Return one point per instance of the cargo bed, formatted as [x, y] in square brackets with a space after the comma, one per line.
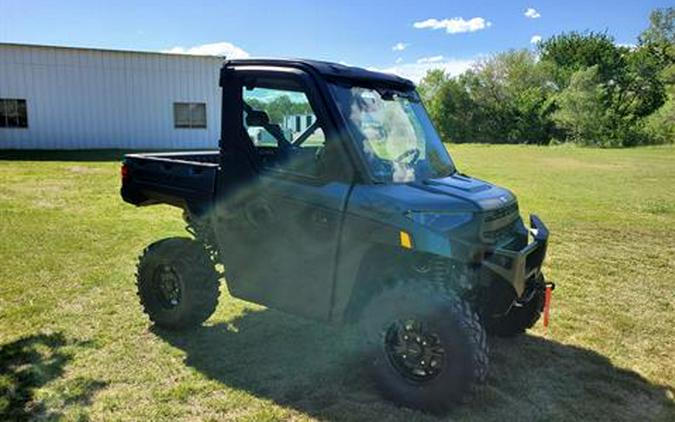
[177, 178]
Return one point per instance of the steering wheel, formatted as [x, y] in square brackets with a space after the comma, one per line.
[414, 154]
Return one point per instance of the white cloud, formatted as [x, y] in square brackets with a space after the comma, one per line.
[417, 70]
[630, 46]
[400, 46]
[226, 49]
[532, 13]
[433, 59]
[454, 25]
[536, 39]
[399, 60]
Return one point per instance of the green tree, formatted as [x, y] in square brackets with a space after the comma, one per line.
[661, 30]
[573, 51]
[449, 106]
[660, 126]
[280, 107]
[581, 108]
[629, 82]
[583, 115]
[641, 91]
[658, 43]
[503, 99]
[511, 92]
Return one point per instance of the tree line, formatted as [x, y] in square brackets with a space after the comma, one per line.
[280, 107]
[576, 87]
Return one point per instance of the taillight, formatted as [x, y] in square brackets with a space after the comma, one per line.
[124, 172]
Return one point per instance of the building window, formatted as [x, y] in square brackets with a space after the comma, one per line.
[189, 115]
[13, 113]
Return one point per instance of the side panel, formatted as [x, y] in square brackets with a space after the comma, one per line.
[280, 242]
[368, 225]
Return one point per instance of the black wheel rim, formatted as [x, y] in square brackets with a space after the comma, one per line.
[414, 350]
[166, 284]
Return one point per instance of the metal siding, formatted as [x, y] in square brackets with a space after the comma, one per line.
[82, 99]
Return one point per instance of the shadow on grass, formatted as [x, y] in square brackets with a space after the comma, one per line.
[31, 362]
[314, 369]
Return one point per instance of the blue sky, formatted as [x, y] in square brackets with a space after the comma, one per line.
[406, 37]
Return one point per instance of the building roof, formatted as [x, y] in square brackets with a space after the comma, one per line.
[108, 50]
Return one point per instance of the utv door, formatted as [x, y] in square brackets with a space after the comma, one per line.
[279, 228]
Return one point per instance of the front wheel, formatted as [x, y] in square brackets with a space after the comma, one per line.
[427, 346]
[177, 283]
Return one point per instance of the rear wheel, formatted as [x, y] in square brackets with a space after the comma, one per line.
[427, 347]
[177, 283]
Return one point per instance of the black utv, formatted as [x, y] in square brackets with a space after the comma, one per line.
[331, 196]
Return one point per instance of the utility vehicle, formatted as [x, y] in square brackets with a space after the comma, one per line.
[331, 196]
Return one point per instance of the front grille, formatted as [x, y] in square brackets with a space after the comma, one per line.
[501, 212]
[500, 226]
[501, 234]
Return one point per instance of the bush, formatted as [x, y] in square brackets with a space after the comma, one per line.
[660, 126]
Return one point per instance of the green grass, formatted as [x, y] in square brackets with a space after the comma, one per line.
[75, 345]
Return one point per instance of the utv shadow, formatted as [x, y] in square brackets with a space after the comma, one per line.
[314, 369]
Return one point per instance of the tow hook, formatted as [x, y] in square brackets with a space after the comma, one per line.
[547, 302]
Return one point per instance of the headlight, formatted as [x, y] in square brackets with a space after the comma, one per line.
[440, 221]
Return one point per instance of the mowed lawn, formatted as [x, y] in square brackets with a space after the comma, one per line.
[74, 343]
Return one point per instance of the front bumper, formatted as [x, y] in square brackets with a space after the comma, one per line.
[516, 267]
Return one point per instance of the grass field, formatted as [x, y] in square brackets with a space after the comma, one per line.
[75, 345]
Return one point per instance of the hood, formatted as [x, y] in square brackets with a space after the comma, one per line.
[483, 195]
[453, 193]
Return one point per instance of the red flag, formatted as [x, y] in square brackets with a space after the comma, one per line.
[547, 305]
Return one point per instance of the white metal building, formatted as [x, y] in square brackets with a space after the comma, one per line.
[80, 98]
[298, 123]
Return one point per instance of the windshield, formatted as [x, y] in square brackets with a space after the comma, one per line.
[394, 132]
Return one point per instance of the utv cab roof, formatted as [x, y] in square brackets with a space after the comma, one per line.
[330, 71]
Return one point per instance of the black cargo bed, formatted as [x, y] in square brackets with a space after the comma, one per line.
[177, 178]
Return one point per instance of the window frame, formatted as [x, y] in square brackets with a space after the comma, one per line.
[297, 77]
[21, 107]
[191, 120]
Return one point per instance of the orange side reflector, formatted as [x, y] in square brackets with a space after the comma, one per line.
[406, 241]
